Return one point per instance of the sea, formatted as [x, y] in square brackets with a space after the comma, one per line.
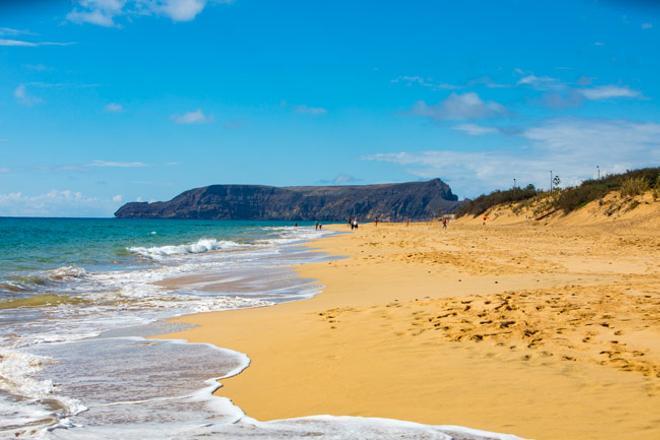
[82, 302]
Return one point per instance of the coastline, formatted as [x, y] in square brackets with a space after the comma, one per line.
[375, 342]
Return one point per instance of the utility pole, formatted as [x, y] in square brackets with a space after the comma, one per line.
[550, 180]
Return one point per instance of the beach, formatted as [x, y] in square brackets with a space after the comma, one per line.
[542, 331]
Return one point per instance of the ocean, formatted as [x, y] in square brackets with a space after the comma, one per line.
[79, 299]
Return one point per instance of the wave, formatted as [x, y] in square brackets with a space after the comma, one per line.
[66, 273]
[27, 283]
[42, 406]
[201, 246]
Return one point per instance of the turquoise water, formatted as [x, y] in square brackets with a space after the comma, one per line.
[31, 244]
[78, 296]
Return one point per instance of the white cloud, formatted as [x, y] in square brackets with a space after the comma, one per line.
[193, 117]
[114, 107]
[314, 111]
[646, 26]
[14, 32]
[182, 10]
[608, 92]
[540, 82]
[609, 139]
[106, 12]
[54, 203]
[4, 170]
[23, 43]
[459, 107]
[118, 198]
[111, 164]
[475, 130]
[24, 98]
[571, 148]
[98, 12]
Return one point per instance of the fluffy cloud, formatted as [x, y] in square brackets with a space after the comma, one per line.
[54, 203]
[571, 148]
[106, 12]
[307, 110]
[113, 107]
[460, 107]
[118, 198]
[181, 10]
[193, 117]
[609, 92]
[24, 98]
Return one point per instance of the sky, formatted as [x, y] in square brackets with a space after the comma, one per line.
[108, 101]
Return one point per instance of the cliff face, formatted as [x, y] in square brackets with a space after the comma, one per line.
[400, 201]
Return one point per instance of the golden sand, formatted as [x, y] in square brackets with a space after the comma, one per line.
[546, 332]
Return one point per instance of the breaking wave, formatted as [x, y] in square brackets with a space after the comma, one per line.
[200, 246]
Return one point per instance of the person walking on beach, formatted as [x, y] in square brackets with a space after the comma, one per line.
[444, 222]
[316, 226]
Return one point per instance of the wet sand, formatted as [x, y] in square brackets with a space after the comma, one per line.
[541, 331]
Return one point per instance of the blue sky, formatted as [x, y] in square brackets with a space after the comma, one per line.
[108, 101]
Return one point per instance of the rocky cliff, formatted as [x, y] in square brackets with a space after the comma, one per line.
[395, 202]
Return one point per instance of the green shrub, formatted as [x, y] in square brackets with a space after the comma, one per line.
[629, 183]
[573, 198]
[634, 186]
[485, 201]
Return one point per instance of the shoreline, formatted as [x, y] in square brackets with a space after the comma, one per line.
[378, 308]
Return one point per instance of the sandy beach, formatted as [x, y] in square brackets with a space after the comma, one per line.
[543, 331]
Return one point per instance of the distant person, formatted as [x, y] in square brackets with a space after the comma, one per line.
[354, 224]
[376, 221]
[485, 219]
[295, 225]
[316, 226]
[444, 223]
[320, 226]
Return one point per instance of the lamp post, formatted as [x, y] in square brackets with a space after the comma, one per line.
[514, 183]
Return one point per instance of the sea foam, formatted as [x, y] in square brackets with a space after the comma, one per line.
[201, 246]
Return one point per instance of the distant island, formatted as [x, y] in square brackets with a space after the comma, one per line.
[388, 202]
